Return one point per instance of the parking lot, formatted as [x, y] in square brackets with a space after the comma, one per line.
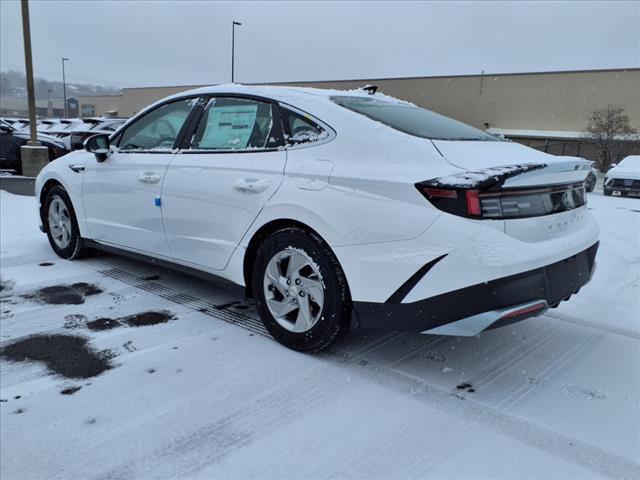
[148, 373]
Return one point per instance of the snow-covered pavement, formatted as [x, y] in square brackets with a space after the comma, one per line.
[197, 390]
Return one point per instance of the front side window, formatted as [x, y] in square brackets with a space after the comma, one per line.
[411, 119]
[235, 124]
[158, 129]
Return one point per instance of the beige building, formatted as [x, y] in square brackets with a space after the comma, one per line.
[546, 110]
[18, 107]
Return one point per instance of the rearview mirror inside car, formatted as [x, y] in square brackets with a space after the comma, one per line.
[98, 145]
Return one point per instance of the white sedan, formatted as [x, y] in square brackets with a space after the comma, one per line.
[624, 178]
[331, 207]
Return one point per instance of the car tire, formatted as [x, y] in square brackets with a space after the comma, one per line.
[607, 192]
[61, 225]
[297, 275]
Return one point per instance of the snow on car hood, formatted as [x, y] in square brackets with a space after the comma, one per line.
[624, 170]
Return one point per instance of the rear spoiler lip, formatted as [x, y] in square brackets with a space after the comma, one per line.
[491, 178]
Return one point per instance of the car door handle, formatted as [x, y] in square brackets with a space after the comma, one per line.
[149, 177]
[252, 186]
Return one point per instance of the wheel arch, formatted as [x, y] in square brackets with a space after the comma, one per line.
[48, 185]
[261, 235]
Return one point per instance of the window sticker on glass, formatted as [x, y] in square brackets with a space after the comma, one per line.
[229, 127]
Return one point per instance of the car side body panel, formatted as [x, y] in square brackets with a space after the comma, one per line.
[357, 191]
[209, 201]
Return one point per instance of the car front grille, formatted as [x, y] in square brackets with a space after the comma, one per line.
[624, 183]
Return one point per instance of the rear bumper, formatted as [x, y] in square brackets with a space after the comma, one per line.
[491, 304]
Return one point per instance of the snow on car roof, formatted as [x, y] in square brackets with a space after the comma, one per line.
[283, 92]
[301, 97]
[315, 101]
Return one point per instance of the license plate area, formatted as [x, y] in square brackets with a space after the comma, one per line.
[567, 276]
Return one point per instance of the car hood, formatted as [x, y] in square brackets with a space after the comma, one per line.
[623, 171]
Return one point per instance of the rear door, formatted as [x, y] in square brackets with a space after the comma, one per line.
[215, 187]
[122, 194]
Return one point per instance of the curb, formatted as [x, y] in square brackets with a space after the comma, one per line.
[18, 185]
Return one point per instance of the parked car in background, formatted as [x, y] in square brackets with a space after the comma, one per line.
[56, 125]
[12, 139]
[60, 127]
[328, 204]
[623, 179]
[75, 135]
[17, 123]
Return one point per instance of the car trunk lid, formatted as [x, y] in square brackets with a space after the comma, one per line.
[482, 157]
[529, 195]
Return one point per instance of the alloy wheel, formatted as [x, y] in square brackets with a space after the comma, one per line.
[294, 290]
[59, 222]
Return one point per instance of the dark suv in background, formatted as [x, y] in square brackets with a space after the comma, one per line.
[11, 139]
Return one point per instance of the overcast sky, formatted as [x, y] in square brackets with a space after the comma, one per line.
[148, 43]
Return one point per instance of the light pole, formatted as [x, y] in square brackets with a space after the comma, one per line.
[33, 156]
[64, 87]
[233, 46]
[28, 64]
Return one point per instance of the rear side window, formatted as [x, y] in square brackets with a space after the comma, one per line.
[235, 124]
[412, 119]
[299, 129]
[157, 129]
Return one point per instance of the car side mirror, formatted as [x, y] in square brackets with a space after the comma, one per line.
[98, 145]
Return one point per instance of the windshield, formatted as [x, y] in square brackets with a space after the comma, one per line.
[632, 161]
[413, 120]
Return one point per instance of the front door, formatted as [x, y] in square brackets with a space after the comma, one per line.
[215, 188]
[122, 201]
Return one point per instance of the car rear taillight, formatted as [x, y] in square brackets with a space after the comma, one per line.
[465, 203]
[473, 202]
[499, 204]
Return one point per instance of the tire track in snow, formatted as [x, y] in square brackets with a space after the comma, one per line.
[448, 439]
[211, 443]
[512, 398]
[525, 431]
[597, 326]
[400, 444]
[517, 428]
[513, 357]
[549, 370]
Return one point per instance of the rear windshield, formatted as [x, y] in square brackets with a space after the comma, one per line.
[413, 120]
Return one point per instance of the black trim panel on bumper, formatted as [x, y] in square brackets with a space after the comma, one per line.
[553, 283]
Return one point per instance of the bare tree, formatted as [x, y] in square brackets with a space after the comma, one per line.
[610, 131]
